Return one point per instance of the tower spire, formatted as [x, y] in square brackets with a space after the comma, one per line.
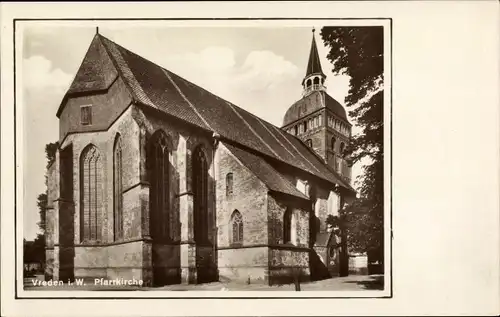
[314, 78]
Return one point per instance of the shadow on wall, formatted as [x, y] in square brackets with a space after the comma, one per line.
[67, 216]
[375, 282]
[319, 271]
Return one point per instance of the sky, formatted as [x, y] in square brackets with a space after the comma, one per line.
[257, 68]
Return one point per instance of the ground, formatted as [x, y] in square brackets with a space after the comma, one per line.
[348, 283]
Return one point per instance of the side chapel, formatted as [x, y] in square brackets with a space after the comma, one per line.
[158, 179]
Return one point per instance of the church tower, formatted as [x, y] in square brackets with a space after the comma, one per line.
[319, 120]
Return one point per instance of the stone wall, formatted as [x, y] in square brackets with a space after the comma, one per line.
[195, 263]
[287, 261]
[109, 261]
[87, 259]
[249, 197]
[238, 262]
[104, 141]
[106, 108]
[239, 265]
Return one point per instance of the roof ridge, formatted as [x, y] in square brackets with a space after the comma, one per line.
[106, 42]
[60, 108]
[198, 86]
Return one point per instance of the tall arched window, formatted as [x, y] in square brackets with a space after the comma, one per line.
[305, 126]
[308, 83]
[316, 80]
[296, 129]
[333, 143]
[236, 228]
[91, 195]
[117, 190]
[229, 184]
[159, 175]
[200, 191]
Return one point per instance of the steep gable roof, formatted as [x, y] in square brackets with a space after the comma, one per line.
[155, 87]
[96, 72]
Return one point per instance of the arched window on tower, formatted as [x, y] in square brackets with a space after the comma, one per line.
[229, 184]
[308, 83]
[316, 80]
[91, 195]
[161, 224]
[333, 143]
[236, 233]
[200, 191]
[117, 190]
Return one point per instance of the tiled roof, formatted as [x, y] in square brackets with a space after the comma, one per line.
[274, 180]
[156, 87]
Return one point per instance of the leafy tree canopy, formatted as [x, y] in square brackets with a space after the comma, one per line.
[358, 53]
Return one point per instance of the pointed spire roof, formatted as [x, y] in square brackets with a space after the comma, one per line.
[314, 64]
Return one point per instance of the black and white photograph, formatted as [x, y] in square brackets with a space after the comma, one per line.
[262, 158]
[205, 157]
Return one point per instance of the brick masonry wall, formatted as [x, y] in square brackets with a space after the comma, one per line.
[91, 264]
[239, 265]
[286, 265]
[285, 260]
[182, 140]
[317, 137]
[249, 197]
[106, 107]
[111, 261]
[128, 130]
[51, 222]
[52, 188]
[321, 211]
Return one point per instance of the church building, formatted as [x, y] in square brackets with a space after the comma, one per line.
[157, 179]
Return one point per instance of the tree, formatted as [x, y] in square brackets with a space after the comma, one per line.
[50, 154]
[42, 207]
[34, 251]
[358, 53]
